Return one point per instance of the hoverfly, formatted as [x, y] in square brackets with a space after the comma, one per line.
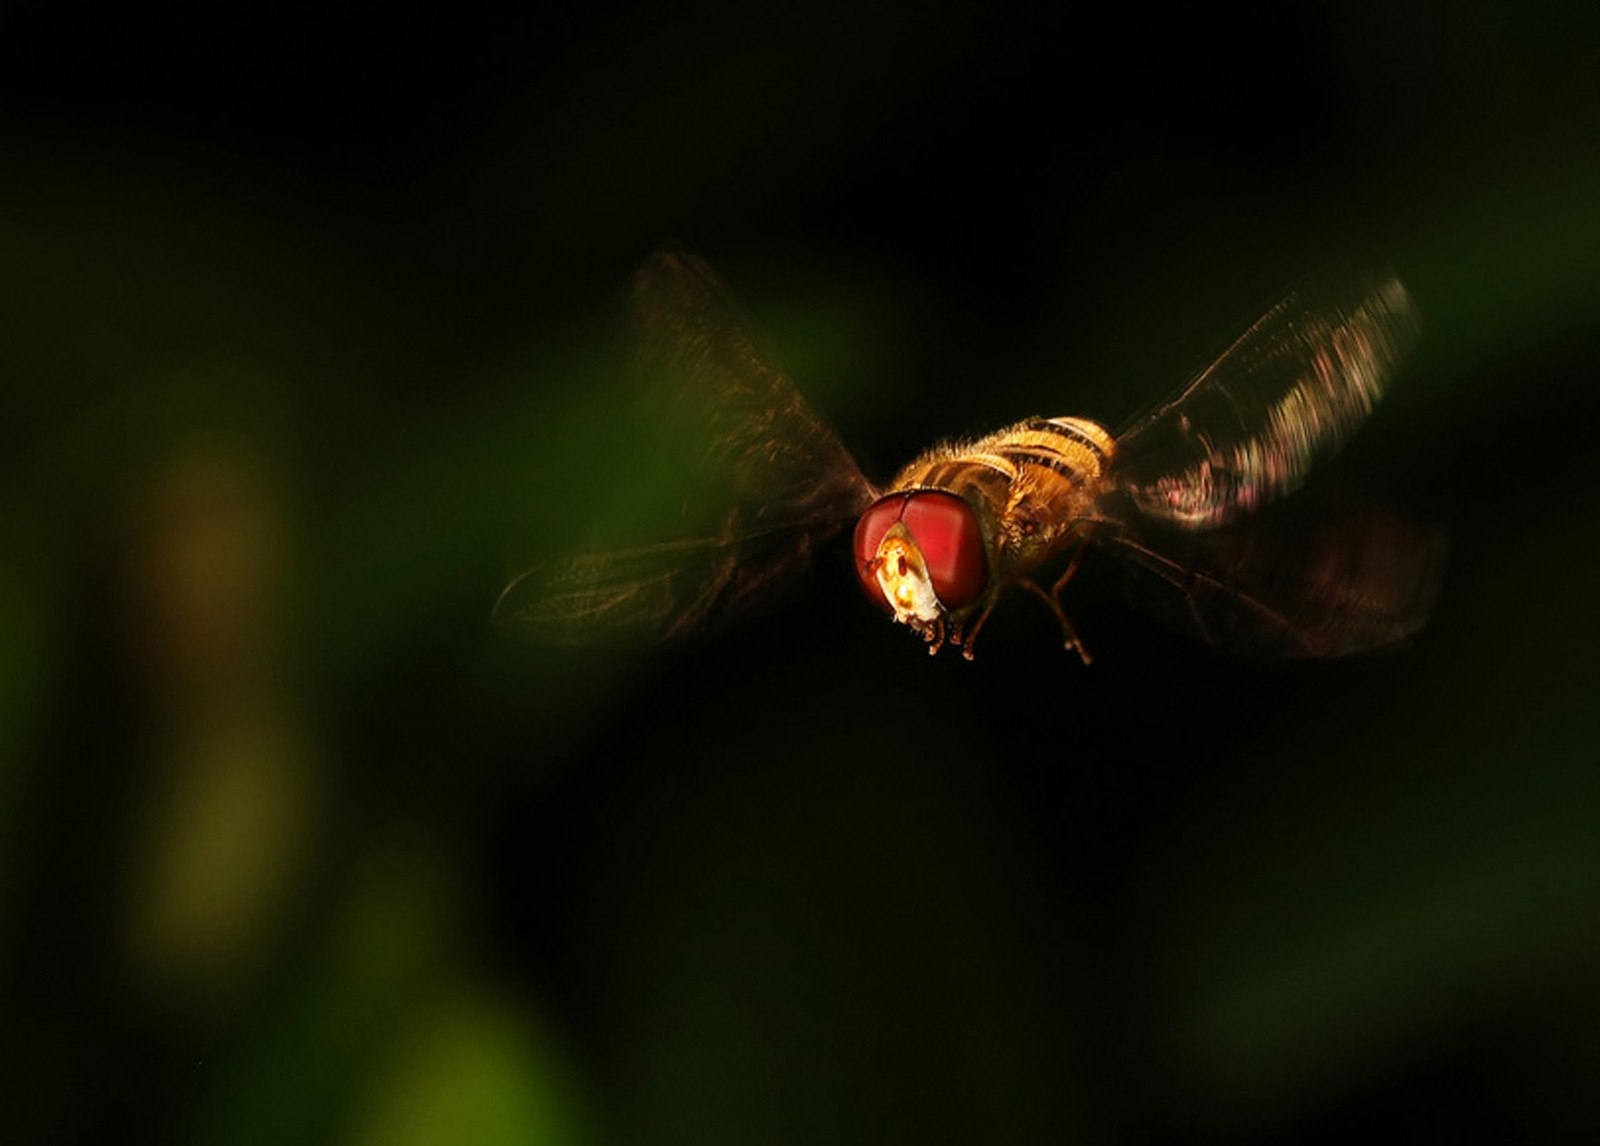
[1179, 494]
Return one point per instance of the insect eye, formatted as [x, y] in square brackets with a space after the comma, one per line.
[947, 532]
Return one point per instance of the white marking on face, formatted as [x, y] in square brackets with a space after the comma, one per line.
[903, 576]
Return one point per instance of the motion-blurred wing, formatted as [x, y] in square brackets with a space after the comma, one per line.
[1289, 392]
[1322, 583]
[652, 592]
[781, 463]
[766, 480]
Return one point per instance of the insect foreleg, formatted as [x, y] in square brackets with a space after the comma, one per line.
[972, 636]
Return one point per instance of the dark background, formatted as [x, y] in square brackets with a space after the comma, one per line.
[305, 340]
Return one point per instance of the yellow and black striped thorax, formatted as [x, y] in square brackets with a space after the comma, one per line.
[1062, 456]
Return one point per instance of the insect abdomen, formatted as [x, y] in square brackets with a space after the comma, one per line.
[1052, 456]
[1074, 449]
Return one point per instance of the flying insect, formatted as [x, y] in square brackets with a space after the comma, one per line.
[1184, 494]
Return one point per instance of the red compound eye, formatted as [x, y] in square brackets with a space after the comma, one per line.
[945, 530]
[874, 523]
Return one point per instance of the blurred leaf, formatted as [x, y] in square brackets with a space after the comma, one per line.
[470, 1071]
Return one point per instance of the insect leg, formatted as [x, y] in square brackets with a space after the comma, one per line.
[971, 637]
[1072, 567]
[1061, 616]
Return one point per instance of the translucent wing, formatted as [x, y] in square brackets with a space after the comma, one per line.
[772, 479]
[781, 462]
[653, 592]
[1322, 581]
[1289, 392]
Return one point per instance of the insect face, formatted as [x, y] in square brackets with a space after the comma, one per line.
[921, 552]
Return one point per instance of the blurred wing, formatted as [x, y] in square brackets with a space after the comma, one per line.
[652, 592]
[780, 463]
[1324, 584]
[1289, 392]
[764, 468]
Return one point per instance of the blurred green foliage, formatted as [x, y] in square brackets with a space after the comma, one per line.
[309, 341]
